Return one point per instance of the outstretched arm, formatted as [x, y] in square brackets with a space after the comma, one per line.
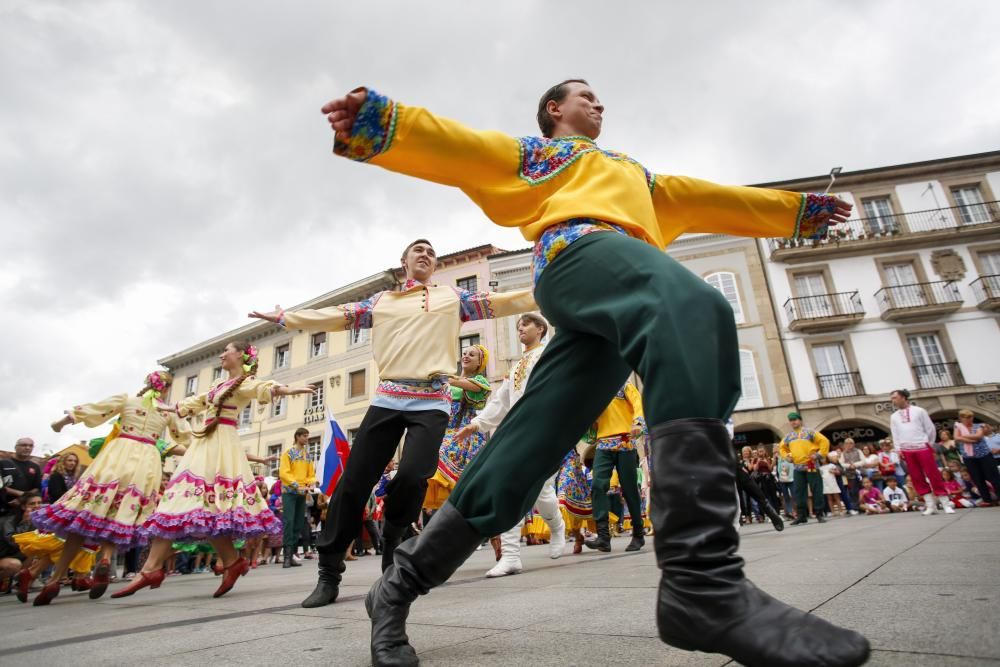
[370, 127]
[335, 318]
[695, 205]
[490, 305]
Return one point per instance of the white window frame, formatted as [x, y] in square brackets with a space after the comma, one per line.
[473, 278]
[279, 406]
[970, 199]
[315, 353]
[216, 374]
[750, 393]
[273, 466]
[358, 337]
[280, 363]
[191, 385]
[723, 280]
[318, 399]
[245, 419]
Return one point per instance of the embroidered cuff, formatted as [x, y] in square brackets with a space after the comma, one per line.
[373, 130]
[814, 214]
[640, 424]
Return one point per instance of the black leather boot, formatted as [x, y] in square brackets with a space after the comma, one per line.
[773, 515]
[705, 603]
[290, 560]
[420, 564]
[331, 570]
[638, 538]
[603, 540]
[392, 534]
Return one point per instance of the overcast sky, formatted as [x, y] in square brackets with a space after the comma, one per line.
[164, 166]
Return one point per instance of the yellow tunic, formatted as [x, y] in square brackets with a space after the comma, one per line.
[803, 445]
[533, 183]
[212, 492]
[120, 489]
[414, 331]
[623, 413]
[296, 471]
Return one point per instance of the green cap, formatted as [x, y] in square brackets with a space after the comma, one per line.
[794, 415]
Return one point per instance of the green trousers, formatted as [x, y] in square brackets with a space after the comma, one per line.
[617, 305]
[293, 518]
[626, 463]
[802, 483]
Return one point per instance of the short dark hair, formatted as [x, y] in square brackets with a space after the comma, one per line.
[26, 498]
[407, 249]
[556, 93]
[537, 320]
[301, 431]
[905, 393]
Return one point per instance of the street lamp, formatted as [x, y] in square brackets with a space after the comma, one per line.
[834, 173]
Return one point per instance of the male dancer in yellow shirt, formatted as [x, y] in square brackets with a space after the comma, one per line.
[298, 475]
[617, 428]
[600, 222]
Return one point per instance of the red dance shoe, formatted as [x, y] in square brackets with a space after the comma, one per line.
[24, 580]
[151, 579]
[81, 584]
[232, 573]
[102, 577]
[217, 567]
[48, 594]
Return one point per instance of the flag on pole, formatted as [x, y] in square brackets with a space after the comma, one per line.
[333, 456]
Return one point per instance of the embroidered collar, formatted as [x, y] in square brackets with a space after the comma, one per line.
[414, 284]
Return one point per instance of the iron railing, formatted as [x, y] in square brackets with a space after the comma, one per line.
[901, 224]
[918, 295]
[840, 385]
[936, 376]
[986, 288]
[821, 306]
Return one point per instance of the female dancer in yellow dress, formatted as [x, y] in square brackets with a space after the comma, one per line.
[213, 495]
[117, 493]
[469, 394]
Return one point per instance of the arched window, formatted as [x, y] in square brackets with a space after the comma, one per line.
[749, 384]
[725, 282]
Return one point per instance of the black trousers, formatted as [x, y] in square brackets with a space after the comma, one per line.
[376, 441]
[982, 470]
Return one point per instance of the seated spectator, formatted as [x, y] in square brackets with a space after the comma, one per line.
[869, 463]
[871, 498]
[916, 503]
[957, 492]
[894, 496]
[946, 449]
[13, 524]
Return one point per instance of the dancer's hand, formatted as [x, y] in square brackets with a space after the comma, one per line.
[841, 213]
[57, 426]
[273, 316]
[466, 432]
[342, 111]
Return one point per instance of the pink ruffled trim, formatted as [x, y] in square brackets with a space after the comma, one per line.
[198, 481]
[65, 522]
[203, 524]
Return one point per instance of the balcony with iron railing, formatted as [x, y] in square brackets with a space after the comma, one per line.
[919, 300]
[938, 376]
[840, 385]
[824, 312]
[987, 292]
[902, 229]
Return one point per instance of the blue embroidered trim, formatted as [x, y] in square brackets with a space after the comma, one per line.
[542, 159]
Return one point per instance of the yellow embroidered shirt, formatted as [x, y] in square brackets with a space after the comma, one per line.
[296, 471]
[534, 183]
[802, 445]
[623, 414]
[414, 330]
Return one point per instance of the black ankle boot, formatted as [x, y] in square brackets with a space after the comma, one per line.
[331, 570]
[603, 540]
[392, 534]
[290, 560]
[638, 538]
[773, 515]
[705, 602]
[420, 564]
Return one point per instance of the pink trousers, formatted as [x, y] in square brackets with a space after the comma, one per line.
[922, 466]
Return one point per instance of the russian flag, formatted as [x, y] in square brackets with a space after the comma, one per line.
[333, 458]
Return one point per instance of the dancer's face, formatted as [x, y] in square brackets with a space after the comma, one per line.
[796, 424]
[472, 358]
[231, 359]
[528, 333]
[579, 114]
[70, 463]
[419, 262]
[898, 400]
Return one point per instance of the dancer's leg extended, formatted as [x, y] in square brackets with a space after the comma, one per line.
[617, 304]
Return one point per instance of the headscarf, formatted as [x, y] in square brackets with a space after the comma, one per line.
[484, 358]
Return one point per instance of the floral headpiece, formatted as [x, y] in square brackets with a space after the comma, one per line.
[157, 385]
[249, 358]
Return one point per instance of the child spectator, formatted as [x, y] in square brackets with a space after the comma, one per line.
[871, 498]
[894, 496]
[956, 491]
[911, 494]
[829, 472]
